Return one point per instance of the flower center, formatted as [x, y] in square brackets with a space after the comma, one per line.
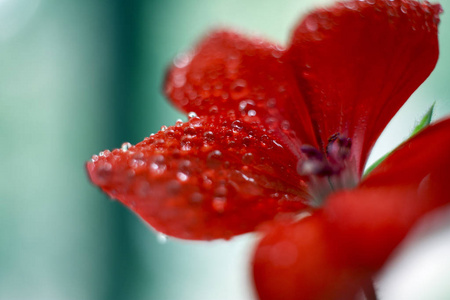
[329, 170]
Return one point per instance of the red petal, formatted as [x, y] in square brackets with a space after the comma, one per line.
[298, 261]
[229, 73]
[205, 179]
[359, 61]
[425, 154]
[371, 222]
[413, 180]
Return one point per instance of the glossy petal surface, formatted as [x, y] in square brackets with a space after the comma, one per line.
[229, 73]
[205, 179]
[373, 219]
[299, 261]
[369, 223]
[359, 61]
[423, 155]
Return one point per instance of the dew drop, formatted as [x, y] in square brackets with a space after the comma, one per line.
[192, 115]
[184, 170]
[237, 125]
[179, 123]
[350, 5]
[218, 204]
[163, 128]
[285, 125]
[161, 238]
[221, 191]
[94, 158]
[247, 158]
[136, 163]
[277, 53]
[182, 176]
[103, 172]
[404, 9]
[158, 164]
[182, 60]
[173, 187]
[190, 130]
[214, 109]
[271, 122]
[209, 136]
[247, 141]
[238, 89]
[196, 198]
[266, 141]
[271, 103]
[246, 105]
[214, 159]
[125, 146]
[251, 113]
[179, 79]
[311, 24]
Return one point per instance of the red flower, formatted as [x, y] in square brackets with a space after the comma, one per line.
[282, 137]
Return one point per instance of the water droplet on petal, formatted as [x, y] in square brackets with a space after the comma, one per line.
[173, 188]
[271, 103]
[311, 24]
[125, 146]
[251, 113]
[404, 9]
[209, 136]
[285, 125]
[161, 238]
[163, 128]
[192, 115]
[247, 158]
[214, 109]
[246, 105]
[157, 165]
[350, 5]
[196, 198]
[218, 204]
[182, 60]
[182, 176]
[238, 89]
[237, 125]
[214, 159]
[179, 79]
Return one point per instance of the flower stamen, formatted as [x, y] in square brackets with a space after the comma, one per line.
[328, 170]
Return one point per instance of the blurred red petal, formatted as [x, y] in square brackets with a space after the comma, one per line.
[423, 155]
[359, 61]
[229, 73]
[369, 223]
[373, 219]
[208, 178]
[299, 261]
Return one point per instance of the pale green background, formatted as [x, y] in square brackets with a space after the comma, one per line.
[77, 77]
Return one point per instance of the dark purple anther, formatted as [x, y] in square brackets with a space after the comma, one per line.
[338, 147]
[312, 152]
[332, 162]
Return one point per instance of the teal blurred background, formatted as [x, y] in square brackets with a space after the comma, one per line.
[78, 77]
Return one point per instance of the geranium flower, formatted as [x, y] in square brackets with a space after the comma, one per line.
[280, 137]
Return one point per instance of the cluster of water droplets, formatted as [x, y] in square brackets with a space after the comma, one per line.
[424, 16]
[170, 164]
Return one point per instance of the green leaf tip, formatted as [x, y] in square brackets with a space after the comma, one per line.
[424, 122]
